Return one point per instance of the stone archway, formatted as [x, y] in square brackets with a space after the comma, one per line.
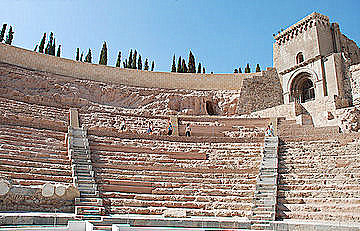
[210, 108]
[302, 88]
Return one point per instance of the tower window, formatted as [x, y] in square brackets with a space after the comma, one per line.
[299, 58]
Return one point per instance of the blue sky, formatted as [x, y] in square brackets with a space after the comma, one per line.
[222, 34]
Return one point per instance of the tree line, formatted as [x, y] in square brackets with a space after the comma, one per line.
[183, 68]
[133, 62]
[247, 69]
[50, 47]
[9, 36]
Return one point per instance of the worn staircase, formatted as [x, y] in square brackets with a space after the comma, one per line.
[264, 209]
[89, 204]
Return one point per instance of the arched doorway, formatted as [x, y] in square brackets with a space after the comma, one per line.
[209, 108]
[302, 89]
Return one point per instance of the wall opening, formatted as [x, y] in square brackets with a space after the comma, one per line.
[302, 89]
[210, 108]
[299, 58]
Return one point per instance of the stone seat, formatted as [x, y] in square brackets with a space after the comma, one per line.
[179, 178]
[33, 157]
[52, 178]
[15, 162]
[43, 171]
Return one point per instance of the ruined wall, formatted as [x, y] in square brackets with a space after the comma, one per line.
[260, 92]
[114, 75]
[354, 76]
[35, 199]
[64, 92]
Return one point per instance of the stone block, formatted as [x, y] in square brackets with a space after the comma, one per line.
[4, 187]
[48, 190]
[175, 213]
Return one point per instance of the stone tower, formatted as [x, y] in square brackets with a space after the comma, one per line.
[311, 57]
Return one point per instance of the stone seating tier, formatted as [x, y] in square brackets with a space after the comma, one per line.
[319, 180]
[32, 156]
[145, 176]
[201, 126]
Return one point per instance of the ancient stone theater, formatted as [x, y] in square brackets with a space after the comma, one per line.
[75, 153]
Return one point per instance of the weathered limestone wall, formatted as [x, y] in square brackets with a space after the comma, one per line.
[355, 83]
[42, 88]
[41, 62]
[36, 199]
[260, 92]
[319, 179]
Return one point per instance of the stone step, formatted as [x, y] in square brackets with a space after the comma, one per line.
[88, 202]
[89, 194]
[88, 210]
[261, 227]
[85, 180]
[82, 167]
[263, 208]
[84, 173]
[87, 190]
[271, 139]
[80, 162]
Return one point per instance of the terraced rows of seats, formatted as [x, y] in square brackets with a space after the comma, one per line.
[201, 126]
[289, 130]
[224, 127]
[141, 176]
[30, 156]
[33, 115]
[32, 146]
[134, 123]
[319, 180]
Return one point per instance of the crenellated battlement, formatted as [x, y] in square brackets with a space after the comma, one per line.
[301, 26]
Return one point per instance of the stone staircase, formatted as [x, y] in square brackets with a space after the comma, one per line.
[89, 206]
[265, 197]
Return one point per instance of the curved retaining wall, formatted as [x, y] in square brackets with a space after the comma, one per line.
[41, 62]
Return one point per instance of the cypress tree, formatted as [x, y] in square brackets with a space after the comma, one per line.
[53, 47]
[125, 63]
[247, 68]
[58, 51]
[146, 65]
[129, 64]
[240, 70]
[36, 47]
[77, 54]
[49, 44]
[103, 55]
[258, 68]
[2, 33]
[133, 66]
[81, 56]
[199, 68]
[184, 67]
[88, 57]
[152, 65]
[173, 67]
[42, 44]
[47, 49]
[10, 36]
[191, 64]
[236, 71]
[203, 70]
[179, 67]
[139, 63]
[118, 61]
